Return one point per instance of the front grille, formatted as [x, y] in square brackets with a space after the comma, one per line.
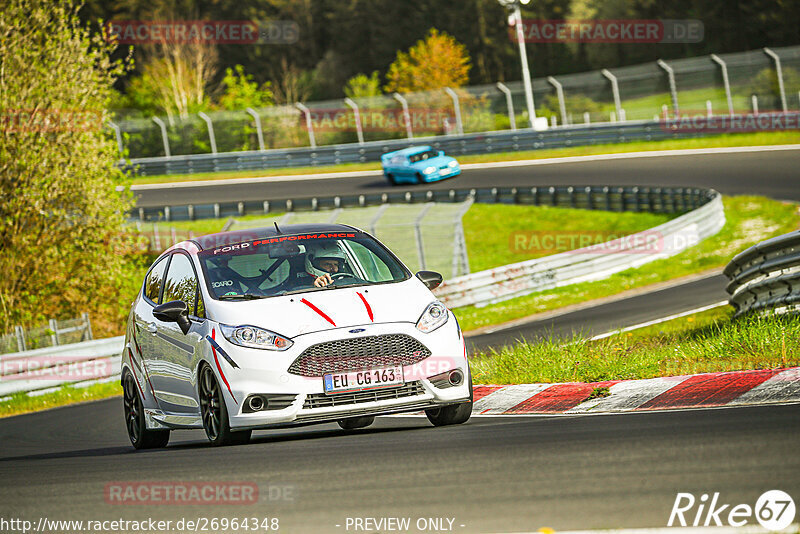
[321, 400]
[366, 352]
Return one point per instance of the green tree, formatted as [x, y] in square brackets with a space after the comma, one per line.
[241, 92]
[62, 238]
[435, 62]
[361, 85]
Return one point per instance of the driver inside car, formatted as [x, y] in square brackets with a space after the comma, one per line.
[324, 260]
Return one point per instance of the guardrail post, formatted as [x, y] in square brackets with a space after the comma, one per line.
[776, 58]
[754, 102]
[88, 332]
[457, 108]
[118, 135]
[509, 104]
[359, 131]
[259, 131]
[725, 81]
[673, 89]
[406, 115]
[20, 333]
[210, 127]
[560, 93]
[163, 135]
[53, 326]
[418, 234]
[309, 126]
[614, 90]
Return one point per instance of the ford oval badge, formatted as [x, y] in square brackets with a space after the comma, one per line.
[356, 330]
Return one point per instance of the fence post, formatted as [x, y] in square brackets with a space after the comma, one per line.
[418, 234]
[673, 89]
[211, 136]
[163, 135]
[614, 89]
[259, 131]
[118, 135]
[309, 125]
[726, 82]
[156, 237]
[53, 325]
[406, 116]
[457, 107]
[20, 333]
[88, 323]
[776, 58]
[359, 131]
[374, 222]
[754, 101]
[509, 104]
[560, 93]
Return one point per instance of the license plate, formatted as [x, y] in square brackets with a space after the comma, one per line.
[444, 171]
[361, 380]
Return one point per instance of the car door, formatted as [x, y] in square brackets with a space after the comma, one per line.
[144, 333]
[176, 355]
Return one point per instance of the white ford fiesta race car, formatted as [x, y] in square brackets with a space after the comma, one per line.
[284, 326]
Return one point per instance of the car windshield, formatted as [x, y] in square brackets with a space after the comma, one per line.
[283, 265]
[422, 156]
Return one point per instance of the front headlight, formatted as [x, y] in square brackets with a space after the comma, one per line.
[452, 164]
[254, 337]
[434, 316]
[429, 170]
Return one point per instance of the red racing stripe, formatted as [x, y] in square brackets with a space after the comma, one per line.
[559, 398]
[711, 389]
[216, 360]
[133, 370]
[320, 312]
[366, 305]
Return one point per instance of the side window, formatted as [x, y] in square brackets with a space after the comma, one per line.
[152, 285]
[201, 308]
[180, 283]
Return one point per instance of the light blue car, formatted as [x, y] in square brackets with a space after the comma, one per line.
[418, 165]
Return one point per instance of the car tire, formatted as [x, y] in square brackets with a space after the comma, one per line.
[455, 414]
[214, 412]
[141, 437]
[420, 179]
[391, 179]
[353, 423]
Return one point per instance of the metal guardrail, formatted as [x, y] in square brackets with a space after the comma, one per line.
[590, 263]
[474, 143]
[49, 367]
[766, 276]
[456, 145]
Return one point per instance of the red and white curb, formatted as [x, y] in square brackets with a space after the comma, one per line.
[708, 390]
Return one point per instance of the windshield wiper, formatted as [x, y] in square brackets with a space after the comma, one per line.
[243, 297]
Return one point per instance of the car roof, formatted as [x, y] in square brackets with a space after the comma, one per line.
[251, 234]
[410, 151]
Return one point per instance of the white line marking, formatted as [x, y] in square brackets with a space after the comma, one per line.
[506, 398]
[467, 166]
[661, 320]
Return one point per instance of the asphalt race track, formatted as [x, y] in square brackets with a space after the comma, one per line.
[499, 474]
[611, 316]
[772, 174]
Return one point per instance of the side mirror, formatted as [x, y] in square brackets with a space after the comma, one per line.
[176, 311]
[431, 279]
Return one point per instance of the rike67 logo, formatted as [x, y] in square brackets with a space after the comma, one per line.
[774, 510]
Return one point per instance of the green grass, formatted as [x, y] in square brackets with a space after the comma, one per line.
[500, 234]
[20, 403]
[725, 140]
[750, 220]
[707, 342]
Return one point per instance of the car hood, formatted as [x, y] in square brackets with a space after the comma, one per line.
[303, 313]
